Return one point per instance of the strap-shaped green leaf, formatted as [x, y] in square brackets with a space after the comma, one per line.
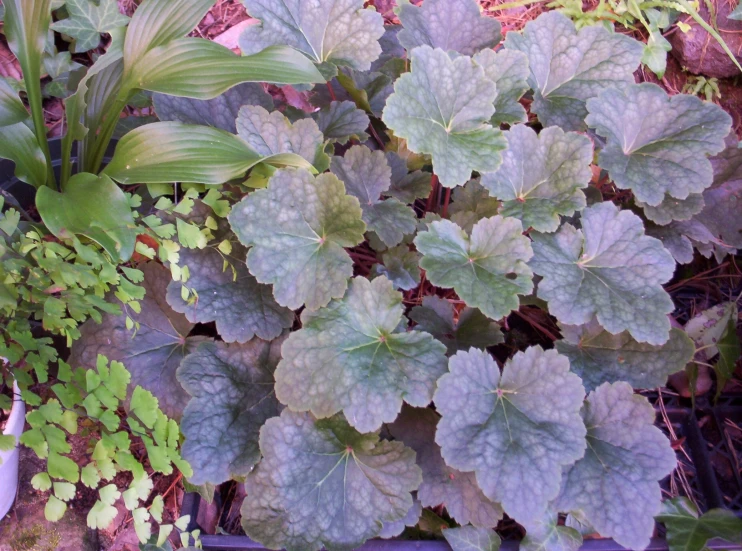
[165, 152]
[201, 69]
[12, 109]
[18, 143]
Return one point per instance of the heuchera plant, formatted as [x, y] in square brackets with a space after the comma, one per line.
[358, 260]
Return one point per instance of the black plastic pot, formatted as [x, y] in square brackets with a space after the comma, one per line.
[704, 486]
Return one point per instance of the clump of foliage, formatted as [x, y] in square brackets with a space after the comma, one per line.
[359, 262]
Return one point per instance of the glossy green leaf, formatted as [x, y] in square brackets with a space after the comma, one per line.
[336, 32]
[348, 357]
[447, 117]
[472, 329]
[367, 176]
[452, 25]
[87, 20]
[93, 206]
[598, 356]
[542, 176]
[18, 143]
[623, 445]
[487, 269]
[198, 68]
[687, 530]
[12, 110]
[241, 307]
[232, 396]
[442, 485]
[609, 268]
[517, 430]
[297, 229]
[657, 144]
[568, 66]
[323, 484]
[166, 152]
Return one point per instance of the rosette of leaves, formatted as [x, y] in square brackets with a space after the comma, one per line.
[352, 357]
[568, 67]
[331, 33]
[623, 444]
[447, 116]
[542, 176]
[323, 484]
[297, 229]
[516, 430]
[487, 269]
[609, 269]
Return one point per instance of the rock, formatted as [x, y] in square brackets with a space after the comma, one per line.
[700, 53]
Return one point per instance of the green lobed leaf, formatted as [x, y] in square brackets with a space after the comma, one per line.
[470, 538]
[348, 357]
[201, 69]
[452, 25]
[508, 69]
[471, 329]
[442, 485]
[598, 356]
[232, 397]
[87, 20]
[657, 144]
[689, 531]
[241, 307]
[401, 266]
[406, 186]
[568, 66]
[517, 430]
[487, 270]
[297, 229]
[341, 121]
[54, 509]
[447, 117]
[609, 268]
[220, 112]
[673, 209]
[615, 486]
[542, 176]
[321, 483]
[270, 134]
[367, 175]
[547, 535]
[93, 206]
[336, 32]
[471, 203]
[153, 354]
[166, 152]
[394, 529]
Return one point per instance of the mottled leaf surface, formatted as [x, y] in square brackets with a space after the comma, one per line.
[366, 175]
[542, 176]
[598, 356]
[321, 483]
[487, 270]
[339, 32]
[220, 112]
[471, 538]
[657, 144]
[394, 529]
[271, 133]
[508, 69]
[348, 357]
[452, 25]
[615, 486]
[673, 209]
[241, 307]
[406, 186]
[471, 329]
[401, 266]
[341, 121]
[297, 229]
[517, 430]
[470, 204]
[232, 397]
[609, 268]
[447, 116]
[153, 354]
[443, 485]
[568, 66]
